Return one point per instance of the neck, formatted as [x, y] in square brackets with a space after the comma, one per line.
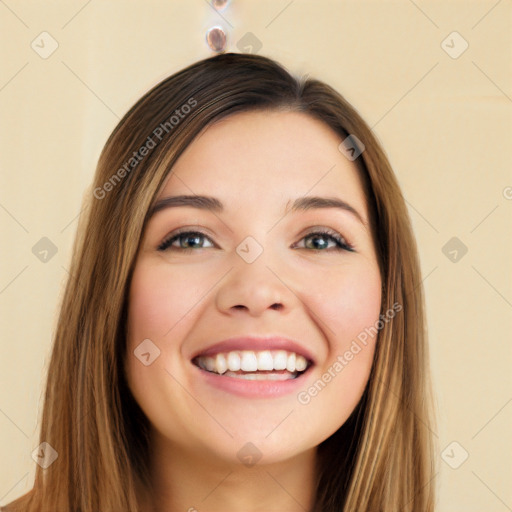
[185, 480]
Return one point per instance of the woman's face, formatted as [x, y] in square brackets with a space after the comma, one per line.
[255, 268]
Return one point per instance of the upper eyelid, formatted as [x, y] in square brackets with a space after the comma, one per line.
[187, 230]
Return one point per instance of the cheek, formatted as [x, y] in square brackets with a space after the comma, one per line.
[348, 302]
[347, 307]
[159, 300]
[160, 309]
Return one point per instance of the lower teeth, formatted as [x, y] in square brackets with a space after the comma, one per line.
[261, 376]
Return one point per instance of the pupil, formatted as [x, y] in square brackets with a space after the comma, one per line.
[315, 241]
[193, 237]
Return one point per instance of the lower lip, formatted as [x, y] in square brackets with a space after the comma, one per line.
[253, 388]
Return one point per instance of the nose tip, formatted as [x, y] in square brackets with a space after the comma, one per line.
[251, 288]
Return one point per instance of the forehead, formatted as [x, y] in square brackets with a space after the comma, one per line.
[268, 156]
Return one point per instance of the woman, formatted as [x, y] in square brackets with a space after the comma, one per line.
[244, 324]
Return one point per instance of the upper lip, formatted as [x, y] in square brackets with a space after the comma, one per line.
[255, 343]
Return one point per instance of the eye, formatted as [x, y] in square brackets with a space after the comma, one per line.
[320, 241]
[187, 240]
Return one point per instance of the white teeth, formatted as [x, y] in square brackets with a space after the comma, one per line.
[260, 376]
[300, 363]
[253, 361]
[290, 362]
[280, 359]
[233, 362]
[209, 363]
[221, 364]
[249, 362]
[265, 361]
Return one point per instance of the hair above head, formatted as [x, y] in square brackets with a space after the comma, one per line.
[381, 459]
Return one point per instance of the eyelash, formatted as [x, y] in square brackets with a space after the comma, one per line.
[341, 243]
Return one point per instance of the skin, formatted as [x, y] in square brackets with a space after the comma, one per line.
[183, 301]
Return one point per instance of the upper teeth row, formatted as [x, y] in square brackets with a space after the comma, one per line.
[251, 361]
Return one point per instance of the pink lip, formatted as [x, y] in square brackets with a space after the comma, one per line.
[255, 343]
[251, 388]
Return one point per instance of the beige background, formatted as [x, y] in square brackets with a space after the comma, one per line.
[445, 123]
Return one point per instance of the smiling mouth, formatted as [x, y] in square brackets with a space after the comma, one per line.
[277, 365]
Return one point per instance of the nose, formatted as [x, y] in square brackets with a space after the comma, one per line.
[254, 288]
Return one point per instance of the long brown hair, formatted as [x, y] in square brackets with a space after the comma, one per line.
[380, 460]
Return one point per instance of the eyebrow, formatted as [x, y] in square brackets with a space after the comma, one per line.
[213, 204]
